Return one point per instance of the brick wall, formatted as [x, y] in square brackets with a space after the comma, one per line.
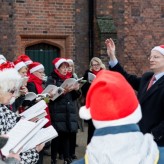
[136, 26]
[139, 26]
[7, 30]
[41, 20]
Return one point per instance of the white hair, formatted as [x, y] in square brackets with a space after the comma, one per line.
[10, 79]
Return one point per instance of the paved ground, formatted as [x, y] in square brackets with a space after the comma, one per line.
[80, 150]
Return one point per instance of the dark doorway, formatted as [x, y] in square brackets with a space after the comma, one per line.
[43, 53]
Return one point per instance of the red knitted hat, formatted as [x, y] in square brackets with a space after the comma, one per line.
[35, 66]
[26, 59]
[159, 49]
[7, 65]
[111, 101]
[58, 61]
[19, 64]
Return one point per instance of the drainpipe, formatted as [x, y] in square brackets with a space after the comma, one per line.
[91, 28]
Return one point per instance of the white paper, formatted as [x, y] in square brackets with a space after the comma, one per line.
[39, 114]
[70, 82]
[43, 136]
[30, 96]
[91, 77]
[30, 112]
[19, 131]
[29, 136]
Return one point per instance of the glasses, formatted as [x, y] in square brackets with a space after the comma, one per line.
[64, 68]
[95, 65]
[12, 91]
[154, 57]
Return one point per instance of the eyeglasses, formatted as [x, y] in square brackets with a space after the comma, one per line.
[95, 65]
[11, 91]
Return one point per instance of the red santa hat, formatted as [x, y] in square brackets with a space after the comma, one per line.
[2, 59]
[19, 64]
[35, 66]
[111, 101]
[160, 49]
[58, 61]
[26, 59]
[10, 78]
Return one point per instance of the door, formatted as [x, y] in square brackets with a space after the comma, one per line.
[43, 53]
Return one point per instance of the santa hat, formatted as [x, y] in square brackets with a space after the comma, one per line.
[58, 61]
[70, 61]
[26, 59]
[2, 59]
[111, 101]
[19, 64]
[10, 78]
[160, 49]
[35, 66]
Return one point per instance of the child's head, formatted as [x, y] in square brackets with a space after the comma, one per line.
[111, 101]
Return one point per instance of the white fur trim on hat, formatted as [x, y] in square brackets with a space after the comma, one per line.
[84, 113]
[131, 119]
[40, 66]
[159, 49]
[57, 64]
[70, 61]
[28, 62]
[2, 61]
[20, 65]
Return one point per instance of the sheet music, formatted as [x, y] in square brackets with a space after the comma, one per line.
[27, 138]
[70, 82]
[91, 77]
[39, 114]
[41, 105]
[19, 131]
[43, 136]
[30, 96]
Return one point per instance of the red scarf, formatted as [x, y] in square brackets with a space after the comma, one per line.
[96, 72]
[63, 77]
[38, 82]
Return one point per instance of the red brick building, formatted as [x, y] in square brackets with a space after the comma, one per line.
[46, 29]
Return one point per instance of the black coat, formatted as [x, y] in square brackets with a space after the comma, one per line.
[86, 85]
[63, 110]
[151, 101]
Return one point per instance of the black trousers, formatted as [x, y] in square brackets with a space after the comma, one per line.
[65, 142]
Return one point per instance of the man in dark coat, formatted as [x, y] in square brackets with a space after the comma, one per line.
[151, 98]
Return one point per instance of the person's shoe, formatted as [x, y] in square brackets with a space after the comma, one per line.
[67, 161]
[73, 156]
[61, 156]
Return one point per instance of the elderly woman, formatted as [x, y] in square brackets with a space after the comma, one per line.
[96, 66]
[10, 81]
[63, 111]
[35, 84]
[22, 70]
